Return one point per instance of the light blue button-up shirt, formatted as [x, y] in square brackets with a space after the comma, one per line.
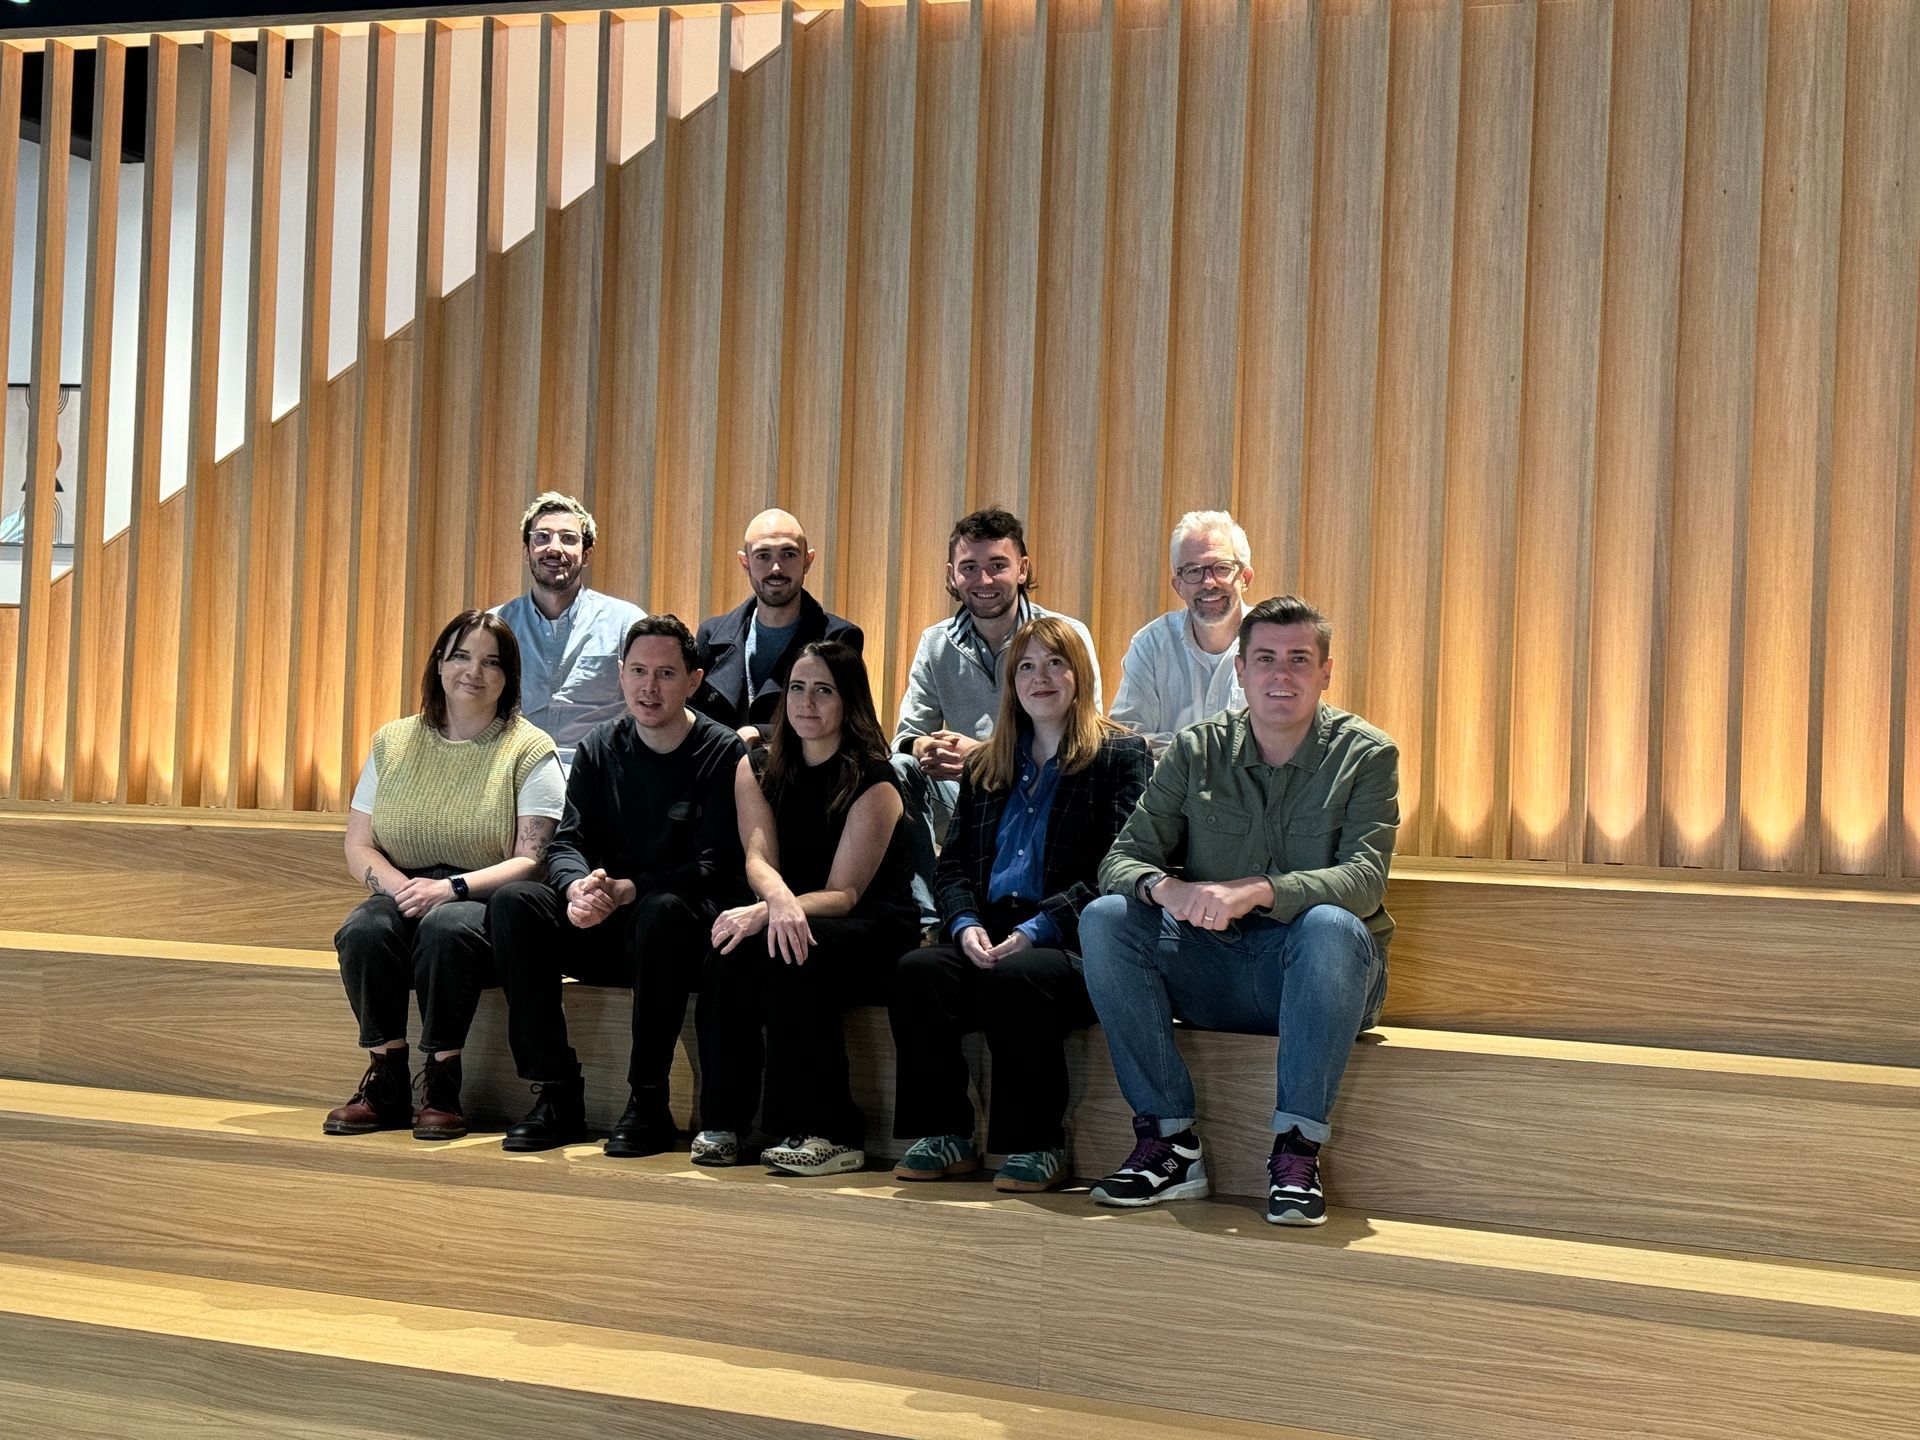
[570, 667]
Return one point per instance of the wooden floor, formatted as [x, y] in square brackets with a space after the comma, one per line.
[1585, 1186]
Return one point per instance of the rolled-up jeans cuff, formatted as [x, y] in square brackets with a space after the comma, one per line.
[1174, 1125]
[1315, 1130]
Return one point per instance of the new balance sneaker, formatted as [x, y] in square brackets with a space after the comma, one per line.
[1160, 1168]
[715, 1147]
[937, 1157]
[1030, 1171]
[1293, 1190]
[812, 1155]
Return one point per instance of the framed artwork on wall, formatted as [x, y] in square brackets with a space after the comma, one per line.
[13, 486]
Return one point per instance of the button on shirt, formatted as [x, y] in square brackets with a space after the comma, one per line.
[1020, 848]
[570, 666]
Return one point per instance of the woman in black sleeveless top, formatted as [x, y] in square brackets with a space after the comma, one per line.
[831, 909]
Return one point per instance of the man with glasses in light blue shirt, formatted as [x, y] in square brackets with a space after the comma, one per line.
[569, 636]
[1179, 667]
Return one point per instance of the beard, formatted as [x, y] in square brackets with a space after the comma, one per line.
[776, 593]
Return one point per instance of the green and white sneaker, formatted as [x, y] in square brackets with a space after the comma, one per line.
[1031, 1171]
[812, 1155]
[937, 1157]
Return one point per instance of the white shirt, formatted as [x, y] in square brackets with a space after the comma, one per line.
[1168, 682]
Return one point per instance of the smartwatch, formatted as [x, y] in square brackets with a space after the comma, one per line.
[459, 883]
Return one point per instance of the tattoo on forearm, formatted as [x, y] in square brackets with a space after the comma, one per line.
[373, 883]
[535, 836]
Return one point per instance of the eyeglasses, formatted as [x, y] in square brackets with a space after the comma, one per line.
[1221, 570]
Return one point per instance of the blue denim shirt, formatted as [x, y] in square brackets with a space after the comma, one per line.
[1020, 847]
[570, 667]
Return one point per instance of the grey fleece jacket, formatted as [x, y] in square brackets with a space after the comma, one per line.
[953, 686]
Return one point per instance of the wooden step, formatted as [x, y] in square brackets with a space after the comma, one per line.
[155, 1354]
[1604, 955]
[1406, 1328]
[1819, 973]
[1685, 1148]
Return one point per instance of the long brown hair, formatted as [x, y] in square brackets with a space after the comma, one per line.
[433, 694]
[862, 741]
[995, 765]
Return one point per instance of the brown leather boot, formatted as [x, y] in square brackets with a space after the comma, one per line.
[384, 1100]
[440, 1117]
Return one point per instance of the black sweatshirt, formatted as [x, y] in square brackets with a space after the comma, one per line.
[665, 822]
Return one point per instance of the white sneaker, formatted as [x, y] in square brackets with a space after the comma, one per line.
[715, 1147]
[812, 1155]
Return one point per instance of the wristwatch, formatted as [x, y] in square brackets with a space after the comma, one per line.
[1144, 889]
[459, 883]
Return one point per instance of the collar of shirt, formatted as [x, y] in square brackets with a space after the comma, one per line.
[1313, 746]
[562, 622]
[963, 633]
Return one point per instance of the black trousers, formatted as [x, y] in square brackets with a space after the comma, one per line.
[1026, 1004]
[443, 955]
[652, 947]
[801, 1066]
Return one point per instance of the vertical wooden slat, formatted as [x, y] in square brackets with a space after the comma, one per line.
[375, 592]
[1872, 439]
[150, 567]
[1344, 333]
[258, 722]
[609, 86]
[1276, 260]
[10, 91]
[490, 563]
[424, 597]
[879, 248]
[1792, 428]
[1069, 358]
[92, 718]
[1209, 200]
[1713, 435]
[753, 302]
[1562, 358]
[200, 760]
[694, 295]
[1410, 444]
[315, 543]
[940, 315]
[1483, 429]
[1646, 155]
[1148, 41]
[624, 499]
[37, 720]
[1006, 290]
[820, 180]
[537, 442]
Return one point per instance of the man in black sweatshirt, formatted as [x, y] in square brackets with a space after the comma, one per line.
[648, 843]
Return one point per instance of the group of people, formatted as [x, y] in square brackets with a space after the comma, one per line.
[594, 793]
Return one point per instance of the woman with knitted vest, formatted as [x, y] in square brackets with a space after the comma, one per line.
[452, 804]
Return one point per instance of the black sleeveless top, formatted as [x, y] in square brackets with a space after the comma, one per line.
[809, 831]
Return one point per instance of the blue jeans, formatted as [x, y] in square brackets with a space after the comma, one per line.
[929, 806]
[1316, 981]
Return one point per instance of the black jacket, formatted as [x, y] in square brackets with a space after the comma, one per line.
[1088, 810]
[722, 642]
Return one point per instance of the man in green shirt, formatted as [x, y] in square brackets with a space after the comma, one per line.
[1245, 894]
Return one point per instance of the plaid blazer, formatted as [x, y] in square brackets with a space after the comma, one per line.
[1088, 810]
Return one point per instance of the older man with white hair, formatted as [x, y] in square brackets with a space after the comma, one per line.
[1179, 666]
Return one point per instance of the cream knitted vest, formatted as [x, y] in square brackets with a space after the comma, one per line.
[442, 802]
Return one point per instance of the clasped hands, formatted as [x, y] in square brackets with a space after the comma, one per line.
[788, 934]
[419, 895]
[943, 754]
[1211, 904]
[595, 896]
[978, 946]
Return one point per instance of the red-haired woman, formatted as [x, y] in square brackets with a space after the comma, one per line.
[1039, 805]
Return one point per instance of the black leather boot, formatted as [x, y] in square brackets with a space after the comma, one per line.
[645, 1128]
[440, 1116]
[558, 1116]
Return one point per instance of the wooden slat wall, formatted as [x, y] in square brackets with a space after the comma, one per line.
[1564, 352]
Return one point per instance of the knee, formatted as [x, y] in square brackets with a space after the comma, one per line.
[1329, 930]
[372, 923]
[515, 899]
[916, 972]
[1103, 925]
[442, 931]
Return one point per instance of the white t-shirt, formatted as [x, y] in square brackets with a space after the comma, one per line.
[543, 794]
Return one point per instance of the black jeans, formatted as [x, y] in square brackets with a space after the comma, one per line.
[652, 947]
[1026, 1004]
[802, 1064]
[444, 955]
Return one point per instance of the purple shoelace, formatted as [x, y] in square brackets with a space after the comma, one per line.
[1294, 1172]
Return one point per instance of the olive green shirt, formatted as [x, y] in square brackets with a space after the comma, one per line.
[1320, 827]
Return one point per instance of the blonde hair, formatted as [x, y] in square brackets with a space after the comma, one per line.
[995, 765]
